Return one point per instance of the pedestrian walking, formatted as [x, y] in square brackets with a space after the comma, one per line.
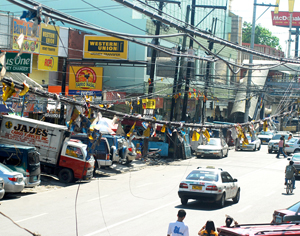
[280, 146]
[208, 229]
[178, 228]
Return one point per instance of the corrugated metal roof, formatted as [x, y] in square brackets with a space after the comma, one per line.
[20, 77]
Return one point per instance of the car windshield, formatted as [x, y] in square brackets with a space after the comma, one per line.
[296, 157]
[203, 175]
[214, 142]
[293, 140]
[294, 207]
[4, 168]
[266, 133]
[277, 136]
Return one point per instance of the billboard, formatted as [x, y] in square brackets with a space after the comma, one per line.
[49, 63]
[103, 47]
[20, 64]
[283, 19]
[31, 43]
[49, 40]
[85, 80]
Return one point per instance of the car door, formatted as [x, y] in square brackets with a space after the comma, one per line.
[224, 147]
[226, 184]
[233, 185]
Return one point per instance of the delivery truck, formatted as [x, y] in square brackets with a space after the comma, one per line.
[58, 155]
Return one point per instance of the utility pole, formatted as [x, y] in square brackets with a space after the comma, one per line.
[154, 52]
[248, 102]
[249, 79]
[63, 92]
[189, 65]
[210, 47]
[174, 85]
[177, 106]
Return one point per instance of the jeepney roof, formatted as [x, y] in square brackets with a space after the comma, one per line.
[38, 122]
[260, 229]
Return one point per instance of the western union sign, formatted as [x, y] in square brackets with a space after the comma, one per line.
[109, 48]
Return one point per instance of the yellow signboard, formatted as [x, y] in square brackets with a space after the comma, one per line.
[31, 42]
[109, 48]
[149, 103]
[49, 40]
[49, 63]
[85, 80]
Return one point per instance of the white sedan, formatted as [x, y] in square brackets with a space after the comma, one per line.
[209, 184]
[292, 145]
[216, 147]
[254, 144]
[265, 136]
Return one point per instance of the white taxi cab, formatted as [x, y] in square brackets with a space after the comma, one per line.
[209, 184]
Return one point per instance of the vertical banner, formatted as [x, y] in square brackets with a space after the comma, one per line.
[49, 40]
[85, 80]
[31, 42]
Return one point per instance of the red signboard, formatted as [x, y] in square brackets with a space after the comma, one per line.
[283, 19]
[115, 97]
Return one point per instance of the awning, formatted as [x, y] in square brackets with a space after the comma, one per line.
[20, 77]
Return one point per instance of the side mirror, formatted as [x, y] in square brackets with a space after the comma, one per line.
[235, 180]
[289, 159]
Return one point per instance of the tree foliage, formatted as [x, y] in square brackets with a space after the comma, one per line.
[263, 36]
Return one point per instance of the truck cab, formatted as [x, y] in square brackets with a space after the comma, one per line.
[73, 160]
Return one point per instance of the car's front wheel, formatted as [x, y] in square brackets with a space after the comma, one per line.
[184, 200]
[237, 197]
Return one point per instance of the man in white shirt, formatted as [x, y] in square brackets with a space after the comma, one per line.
[178, 228]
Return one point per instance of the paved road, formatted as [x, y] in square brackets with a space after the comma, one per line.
[143, 202]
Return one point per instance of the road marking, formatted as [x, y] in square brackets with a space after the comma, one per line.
[245, 208]
[128, 220]
[271, 193]
[31, 217]
[97, 198]
[143, 185]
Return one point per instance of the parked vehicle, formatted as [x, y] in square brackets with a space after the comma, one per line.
[58, 156]
[2, 190]
[265, 136]
[131, 154]
[273, 143]
[254, 144]
[102, 154]
[292, 145]
[23, 159]
[216, 147]
[279, 214]
[13, 180]
[118, 148]
[209, 184]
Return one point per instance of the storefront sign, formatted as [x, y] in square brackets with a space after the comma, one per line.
[85, 80]
[49, 63]
[49, 40]
[283, 19]
[109, 48]
[31, 42]
[149, 103]
[20, 64]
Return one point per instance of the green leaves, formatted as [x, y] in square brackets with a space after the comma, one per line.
[263, 36]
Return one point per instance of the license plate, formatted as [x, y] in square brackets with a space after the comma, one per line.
[197, 187]
[264, 141]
